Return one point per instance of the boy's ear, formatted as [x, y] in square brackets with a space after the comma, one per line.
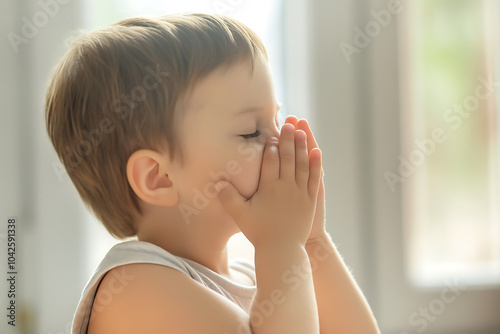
[147, 174]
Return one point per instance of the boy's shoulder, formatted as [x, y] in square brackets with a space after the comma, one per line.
[150, 298]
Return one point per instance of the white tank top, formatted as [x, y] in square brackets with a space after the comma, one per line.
[143, 252]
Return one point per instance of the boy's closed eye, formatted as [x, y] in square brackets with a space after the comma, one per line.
[252, 135]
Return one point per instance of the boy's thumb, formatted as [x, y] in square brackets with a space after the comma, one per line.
[229, 197]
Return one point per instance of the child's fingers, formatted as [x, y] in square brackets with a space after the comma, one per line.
[315, 172]
[291, 120]
[304, 126]
[270, 170]
[301, 159]
[287, 152]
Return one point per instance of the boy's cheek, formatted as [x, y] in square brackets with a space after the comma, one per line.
[250, 151]
[247, 181]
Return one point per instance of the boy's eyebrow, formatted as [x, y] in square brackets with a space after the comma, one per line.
[252, 109]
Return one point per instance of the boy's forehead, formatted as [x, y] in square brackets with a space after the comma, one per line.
[228, 88]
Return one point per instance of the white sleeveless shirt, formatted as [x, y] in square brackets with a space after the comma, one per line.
[143, 252]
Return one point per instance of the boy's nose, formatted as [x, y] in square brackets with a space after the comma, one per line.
[271, 131]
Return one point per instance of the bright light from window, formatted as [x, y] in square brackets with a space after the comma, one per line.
[450, 155]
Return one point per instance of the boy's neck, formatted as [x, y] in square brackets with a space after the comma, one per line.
[203, 242]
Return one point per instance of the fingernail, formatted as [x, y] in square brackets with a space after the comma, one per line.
[301, 135]
[273, 140]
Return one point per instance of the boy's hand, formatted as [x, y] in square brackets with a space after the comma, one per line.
[318, 228]
[282, 209]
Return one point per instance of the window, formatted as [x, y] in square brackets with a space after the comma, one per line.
[371, 106]
[450, 152]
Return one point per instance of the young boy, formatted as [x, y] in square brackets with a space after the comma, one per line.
[168, 129]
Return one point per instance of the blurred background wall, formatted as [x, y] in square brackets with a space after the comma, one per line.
[402, 96]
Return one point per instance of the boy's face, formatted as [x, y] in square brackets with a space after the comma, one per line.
[226, 121]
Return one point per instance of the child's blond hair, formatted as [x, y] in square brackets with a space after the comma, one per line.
[117, 91]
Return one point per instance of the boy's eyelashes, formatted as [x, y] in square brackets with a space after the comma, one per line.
[252, 135]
